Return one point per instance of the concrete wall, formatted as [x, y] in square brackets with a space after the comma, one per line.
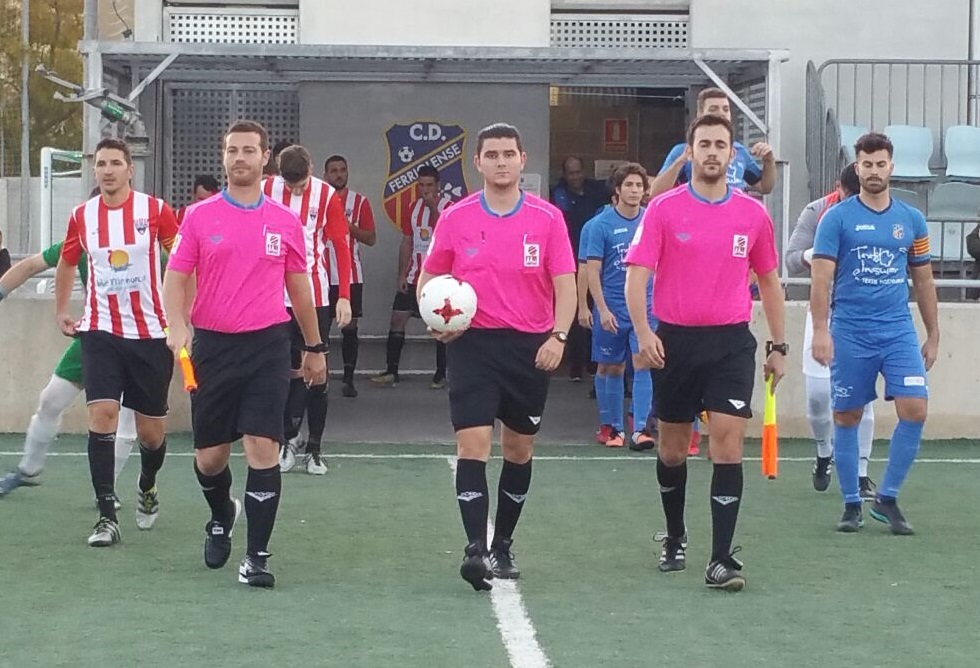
[954, 381]
[426, 22]
[351, 119]
[820, 31]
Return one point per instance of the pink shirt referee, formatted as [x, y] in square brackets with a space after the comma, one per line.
[513, 249]
[244, 250]
[699, 241]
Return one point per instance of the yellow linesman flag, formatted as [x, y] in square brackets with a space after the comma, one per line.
[770, 436]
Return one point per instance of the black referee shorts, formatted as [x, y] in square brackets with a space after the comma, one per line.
[356, 300]
[242, 385]
[705, 368]
[296, 340]
[492, 376]
[407, 301]
[138, 370]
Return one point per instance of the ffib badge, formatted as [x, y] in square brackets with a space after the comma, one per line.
[273, 244]
[532, 255]
[740, 246]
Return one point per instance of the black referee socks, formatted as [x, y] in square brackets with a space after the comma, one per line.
[217, 492]
[726, 497]
[515, 480]
[673, 486]
[316, 416]
[473, 497]
[262, 491]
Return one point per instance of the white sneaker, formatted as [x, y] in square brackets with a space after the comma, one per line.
[147, 508]
[287, 457]
[315, 465]
[105, 533]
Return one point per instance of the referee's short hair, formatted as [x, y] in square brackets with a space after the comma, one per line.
[628, 169]
[249, 126]
[874, 141]
[498, 131]
[295, 163]
[707, 121]
[117, 145]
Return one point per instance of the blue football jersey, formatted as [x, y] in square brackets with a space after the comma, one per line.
[873, 251]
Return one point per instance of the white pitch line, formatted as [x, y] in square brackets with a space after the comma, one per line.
[539, 458]
[516, 629]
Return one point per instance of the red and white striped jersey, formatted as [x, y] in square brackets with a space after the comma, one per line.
[322, 214]
[124, 295]
[419, 226]
[358, 211]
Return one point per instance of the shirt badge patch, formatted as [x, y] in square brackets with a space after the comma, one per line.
[532, 255]
[740, 246]
[273, 244]
[898, 231]
[424, 233]
[141, 225]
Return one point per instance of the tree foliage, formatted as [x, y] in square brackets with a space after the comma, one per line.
[56, 27]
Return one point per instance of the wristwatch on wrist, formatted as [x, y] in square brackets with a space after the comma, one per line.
[561, 336]
[781, 348]
[316, 348]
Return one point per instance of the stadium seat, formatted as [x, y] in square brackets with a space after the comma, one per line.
[909, 197]
[848, 135]
[962, 148]
[958, 206]
[913, 151]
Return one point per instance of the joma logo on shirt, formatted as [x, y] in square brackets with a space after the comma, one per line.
[740, 246]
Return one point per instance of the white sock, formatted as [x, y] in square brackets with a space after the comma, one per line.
[55, 399]
[819, 415]
[125, 437]
[866, 434]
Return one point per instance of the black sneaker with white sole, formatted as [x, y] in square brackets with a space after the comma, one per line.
[217, 540]
[852, 520]
[887, 511]
[672, 554]
[867, 488]
[475, 568]
[254, 571]
[502, 563]
[724, 573]
[822, 473]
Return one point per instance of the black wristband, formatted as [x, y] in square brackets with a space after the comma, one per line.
[316, 348]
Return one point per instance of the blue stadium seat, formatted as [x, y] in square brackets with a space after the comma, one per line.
[848, 135]
[962, 148]
[913, 151]
[954, 210]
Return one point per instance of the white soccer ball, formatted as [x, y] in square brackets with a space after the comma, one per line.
[447, 304]
[405, 154]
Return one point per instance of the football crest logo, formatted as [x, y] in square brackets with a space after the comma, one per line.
[409, 147]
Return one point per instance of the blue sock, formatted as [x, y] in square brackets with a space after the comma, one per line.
[846, 456]
[616, 392]
[602, 400]
[642, 397]
[901, 455]
[697, 425]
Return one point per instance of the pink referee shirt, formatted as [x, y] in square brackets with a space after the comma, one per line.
[701, 253]
[510, 260]
[241, 256]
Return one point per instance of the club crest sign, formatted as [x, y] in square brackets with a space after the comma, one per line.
[412, 145]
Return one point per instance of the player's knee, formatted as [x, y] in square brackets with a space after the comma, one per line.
[150, 432]
[848, 419]
[516, 448]
[611, 369]
[915, 410]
